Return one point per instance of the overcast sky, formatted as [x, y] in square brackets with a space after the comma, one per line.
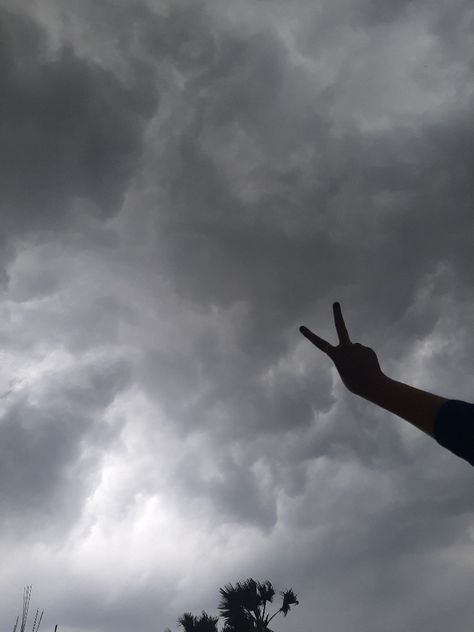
[183, 184]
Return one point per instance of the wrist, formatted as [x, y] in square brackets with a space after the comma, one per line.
[374, 387]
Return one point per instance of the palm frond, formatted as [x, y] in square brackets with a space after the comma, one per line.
[289, 599]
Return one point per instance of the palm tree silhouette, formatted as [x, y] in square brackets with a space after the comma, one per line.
[244, 606]
[204, 623]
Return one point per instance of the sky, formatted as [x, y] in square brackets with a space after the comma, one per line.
[183, 185]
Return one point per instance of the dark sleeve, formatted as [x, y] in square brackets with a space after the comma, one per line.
[454, 428]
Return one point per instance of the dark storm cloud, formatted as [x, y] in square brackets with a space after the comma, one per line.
[236, 493]
[266, 191]
[367, 215]
[71, 130]
[401, 528]
[303, 237]
[399, 199]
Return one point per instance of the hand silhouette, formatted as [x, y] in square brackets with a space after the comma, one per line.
[452, 425]
[357, 365]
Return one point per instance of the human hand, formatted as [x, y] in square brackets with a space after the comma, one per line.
[357, 365]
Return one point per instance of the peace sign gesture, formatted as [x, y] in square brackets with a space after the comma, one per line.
[357, 365]
[359, 368]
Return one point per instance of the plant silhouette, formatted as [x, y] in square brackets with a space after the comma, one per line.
[24, 615]
[243, 607]
[204, 623]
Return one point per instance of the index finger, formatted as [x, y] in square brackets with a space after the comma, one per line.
[322, 344]
[340, 325]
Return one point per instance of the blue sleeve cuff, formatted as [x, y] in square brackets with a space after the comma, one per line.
[454, 428]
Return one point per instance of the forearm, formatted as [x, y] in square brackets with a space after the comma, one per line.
[412, 404]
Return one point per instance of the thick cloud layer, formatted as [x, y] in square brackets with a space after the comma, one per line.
[72, 131]
[184, 184]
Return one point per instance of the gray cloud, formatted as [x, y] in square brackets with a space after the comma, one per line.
[50, 445]
[156, 390]
[74, 130]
